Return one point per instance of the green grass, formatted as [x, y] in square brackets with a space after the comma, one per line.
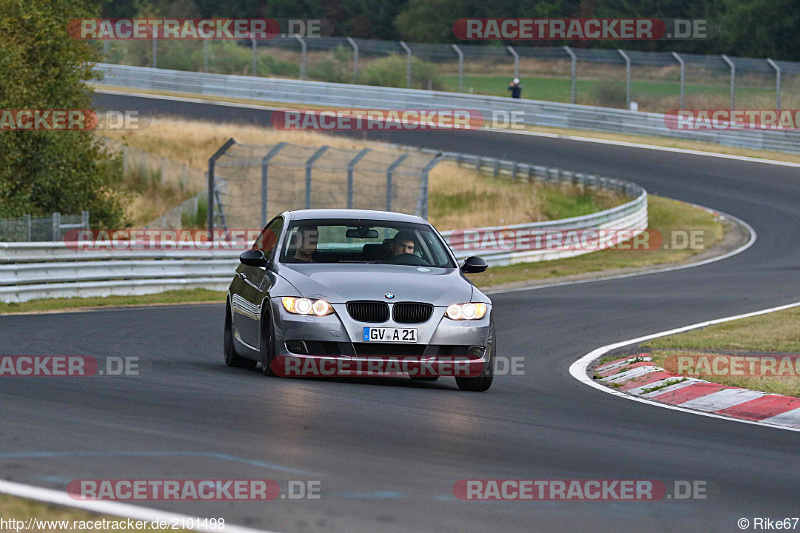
[163, 298]
[771, 333]
[23, 509]
[558, 89]
[652, 94]
[665, 215]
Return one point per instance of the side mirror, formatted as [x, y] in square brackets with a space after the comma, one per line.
[254, 258]
[474, 265]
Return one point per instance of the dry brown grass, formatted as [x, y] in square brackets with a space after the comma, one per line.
[193, 142]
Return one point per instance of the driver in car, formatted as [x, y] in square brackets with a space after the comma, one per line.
[402, 243]
[307, 237]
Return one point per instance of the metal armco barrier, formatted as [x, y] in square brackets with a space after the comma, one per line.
[37, 270]
[533, 112]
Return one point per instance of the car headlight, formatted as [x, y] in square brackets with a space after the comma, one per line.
[305, 306]
[470, 311]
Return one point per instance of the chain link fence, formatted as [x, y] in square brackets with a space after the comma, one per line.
[39, 229]
[651, 81]
[252, 183]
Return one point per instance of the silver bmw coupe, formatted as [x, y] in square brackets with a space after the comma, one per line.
[345, 292]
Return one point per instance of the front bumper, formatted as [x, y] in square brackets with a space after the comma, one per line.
[444, 347]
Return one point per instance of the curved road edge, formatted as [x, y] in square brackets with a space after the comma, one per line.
[579, 369]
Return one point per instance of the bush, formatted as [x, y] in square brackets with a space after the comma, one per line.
[337, 68]
[609, 94]
[391, 72]
[42, 67]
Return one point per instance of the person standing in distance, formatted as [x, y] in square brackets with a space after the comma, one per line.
[515, 88]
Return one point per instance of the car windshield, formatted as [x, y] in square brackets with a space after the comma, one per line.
[364, 241]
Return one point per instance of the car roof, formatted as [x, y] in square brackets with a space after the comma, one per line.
[352, 214]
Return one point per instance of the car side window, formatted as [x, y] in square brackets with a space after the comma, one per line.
[267, 241]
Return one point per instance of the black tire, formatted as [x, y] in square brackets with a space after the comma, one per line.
[482, 382]
[267, 345]
[231, 357]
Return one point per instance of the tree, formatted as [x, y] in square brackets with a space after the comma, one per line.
[41, 67]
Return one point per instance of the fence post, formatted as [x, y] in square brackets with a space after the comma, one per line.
[56, 226]
[733, 80]
[627, 79]
[309, 165]
[105, 50]
[389, 174]
[683, 78]
[264, 166]
[255, 51]
[28, 222]
[211, 185]
[303, 52]
[574, 73]
[85, 219]
[460, 68]
[355, 58]
[516, 60]
[777, 83]
[422, 203]
[405, 47]
[125, 160]
[350, 168]
[205, 55]
[155, 54]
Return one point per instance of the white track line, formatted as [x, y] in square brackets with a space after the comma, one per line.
[125, 510]
[492, 130]
[578, 369]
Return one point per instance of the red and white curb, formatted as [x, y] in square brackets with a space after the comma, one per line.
[641, 378]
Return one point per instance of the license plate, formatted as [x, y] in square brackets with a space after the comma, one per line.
[390, 335]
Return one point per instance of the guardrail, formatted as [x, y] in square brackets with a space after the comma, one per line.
[37, 270]
[533, 112]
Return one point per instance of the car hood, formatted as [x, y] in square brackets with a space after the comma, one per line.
[340, 283]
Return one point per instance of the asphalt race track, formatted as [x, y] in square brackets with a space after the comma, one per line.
[387, 453]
